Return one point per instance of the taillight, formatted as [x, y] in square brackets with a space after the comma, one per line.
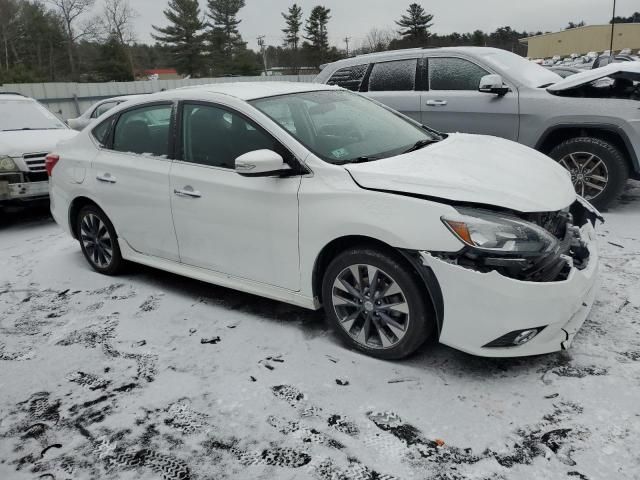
[50, 162]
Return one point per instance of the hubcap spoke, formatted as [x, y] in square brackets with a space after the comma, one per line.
[350, 289]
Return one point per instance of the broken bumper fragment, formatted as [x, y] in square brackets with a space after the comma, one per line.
[23, 191]
[490, 314]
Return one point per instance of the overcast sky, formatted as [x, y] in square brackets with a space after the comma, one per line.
[354, 18]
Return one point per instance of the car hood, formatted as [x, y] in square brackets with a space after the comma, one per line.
[630, 70]
[16, 144]
[475, 169]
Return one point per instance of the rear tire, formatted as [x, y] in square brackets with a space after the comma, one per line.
[376, 304]
[99, 241]
[590, 160]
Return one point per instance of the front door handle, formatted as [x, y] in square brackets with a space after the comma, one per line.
[436, 103]
[187, 191]
[106, 178]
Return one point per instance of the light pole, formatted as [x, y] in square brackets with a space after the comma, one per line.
[613, 26]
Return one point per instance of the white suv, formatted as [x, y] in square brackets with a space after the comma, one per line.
[319, 197]
[28, 131]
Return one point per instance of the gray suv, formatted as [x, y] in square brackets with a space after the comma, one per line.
[589, 122]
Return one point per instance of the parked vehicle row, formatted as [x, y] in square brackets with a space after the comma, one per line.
[320, 197]
[587, 122]
[28, 131]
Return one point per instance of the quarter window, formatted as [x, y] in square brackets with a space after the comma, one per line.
[454, 74]
[393, 76]
[349, 77]
[144, 131]
[101, 132]
[216, 137]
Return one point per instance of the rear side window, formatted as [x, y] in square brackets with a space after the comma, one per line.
[396, 76]
[349, 77]
[101, 132]
[454, 74]
[144, 131]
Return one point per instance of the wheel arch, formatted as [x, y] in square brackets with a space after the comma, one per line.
[411, 259]
[557, 134]
[74, 209]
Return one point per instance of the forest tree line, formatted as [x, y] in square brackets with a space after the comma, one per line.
[95, 40]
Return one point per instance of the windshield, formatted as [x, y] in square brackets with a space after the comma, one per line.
[525, 71]
[342, 127]
[26, 115]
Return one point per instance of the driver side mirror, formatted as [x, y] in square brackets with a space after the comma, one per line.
[493, 84]
[261, 163]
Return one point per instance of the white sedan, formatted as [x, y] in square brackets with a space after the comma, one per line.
[316, 196]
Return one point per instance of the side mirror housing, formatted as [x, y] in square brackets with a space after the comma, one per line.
[261, 163]
[493, 84]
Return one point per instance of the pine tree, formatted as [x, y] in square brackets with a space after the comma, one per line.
[294, 24]
[225, 37]
[316, 29]
[114, 63]
[415, 26]
[184, 36]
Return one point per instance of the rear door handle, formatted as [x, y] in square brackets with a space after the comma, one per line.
[436, 103]
[187, 192]
[106, 178]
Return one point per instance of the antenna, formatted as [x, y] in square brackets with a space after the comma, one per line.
[261, 44]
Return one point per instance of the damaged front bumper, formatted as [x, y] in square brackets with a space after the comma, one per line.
[481, 307]
[22, 191]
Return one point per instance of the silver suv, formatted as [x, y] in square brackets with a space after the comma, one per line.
[588, 122]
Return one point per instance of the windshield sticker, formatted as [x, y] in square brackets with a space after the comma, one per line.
[339, 153]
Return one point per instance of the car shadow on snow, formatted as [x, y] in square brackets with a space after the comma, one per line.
[431, 355]
[31, 215]
[311, 322]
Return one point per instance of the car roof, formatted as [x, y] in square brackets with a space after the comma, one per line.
[250, 90]
[15, 97]
[471, 51]
[122, 97]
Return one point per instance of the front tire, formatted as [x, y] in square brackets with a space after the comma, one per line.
[598, 169]
[99, 241]
[376, 304]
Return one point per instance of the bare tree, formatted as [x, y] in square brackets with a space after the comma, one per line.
[71, 12]
[118, 16]
[378, 40]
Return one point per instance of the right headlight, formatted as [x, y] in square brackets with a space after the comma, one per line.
[7, 164]
[499, 233]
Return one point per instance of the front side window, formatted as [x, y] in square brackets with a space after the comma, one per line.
[105, 107]
[144, 131]
[216, 137]
[454, 74]
[342, 127]
[394, 76]
[27, 115]
[349, 77]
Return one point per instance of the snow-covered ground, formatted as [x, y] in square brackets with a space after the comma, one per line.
[150, 375]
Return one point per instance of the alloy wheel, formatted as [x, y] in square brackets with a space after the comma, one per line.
[589, 174]
[370, 306]
[96, 240]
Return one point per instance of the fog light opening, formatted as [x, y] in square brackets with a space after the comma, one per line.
[525, 336]
[516, 338]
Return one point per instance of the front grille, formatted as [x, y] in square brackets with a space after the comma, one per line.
[35, 161]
